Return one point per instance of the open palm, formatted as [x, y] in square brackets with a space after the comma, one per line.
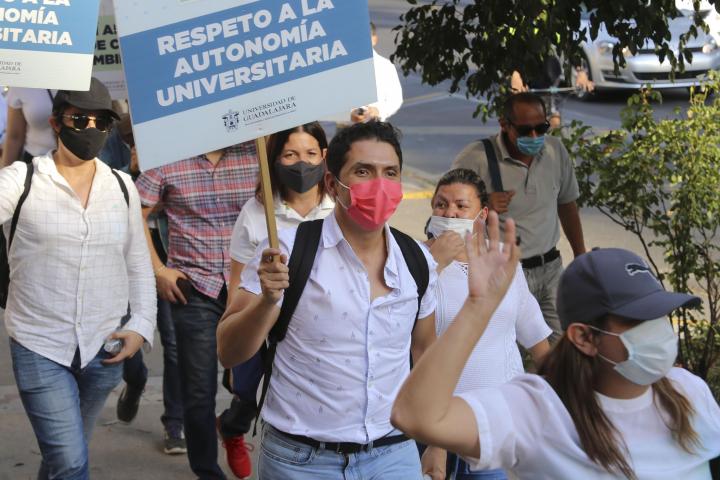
[491, 264]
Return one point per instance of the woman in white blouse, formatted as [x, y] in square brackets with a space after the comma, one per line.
[608, 402]
[297, 167]
[460, 198]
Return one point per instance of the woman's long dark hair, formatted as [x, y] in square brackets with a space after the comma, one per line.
[572, 375]
[276, 144]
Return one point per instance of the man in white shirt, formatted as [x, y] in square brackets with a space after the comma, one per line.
[389, 90]
[346, 352]
[78, 256]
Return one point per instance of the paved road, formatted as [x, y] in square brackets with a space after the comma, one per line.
[436, 126]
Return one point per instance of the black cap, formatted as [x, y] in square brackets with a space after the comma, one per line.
[617, 282]
[97, 98]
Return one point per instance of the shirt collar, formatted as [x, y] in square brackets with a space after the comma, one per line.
[281, 207]
[331, 233]
[332, 236]
[46, 165]
[625, 405]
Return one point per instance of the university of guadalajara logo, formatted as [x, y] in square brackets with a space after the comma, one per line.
[232, 120]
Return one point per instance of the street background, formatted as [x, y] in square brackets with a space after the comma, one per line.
[435, 127]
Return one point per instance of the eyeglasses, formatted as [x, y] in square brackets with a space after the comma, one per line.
[525, 130]
[80, 121]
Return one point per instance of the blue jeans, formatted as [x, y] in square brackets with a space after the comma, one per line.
[195, 326]
[63, 404]
[461, 471]
[172, 418]
[283, 458]
[135, 372]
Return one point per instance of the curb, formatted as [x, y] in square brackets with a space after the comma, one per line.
[419, 195]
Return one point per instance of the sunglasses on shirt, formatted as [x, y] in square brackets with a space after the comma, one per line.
[80, 121]
[525, 130]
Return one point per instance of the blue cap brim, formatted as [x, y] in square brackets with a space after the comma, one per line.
[656, 305]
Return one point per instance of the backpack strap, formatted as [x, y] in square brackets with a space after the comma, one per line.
[123, 187]
[23, 197]
[493, 165]
[302, 258]
[5, 243]
[416, 263]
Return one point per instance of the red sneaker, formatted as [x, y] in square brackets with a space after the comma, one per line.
[238, 455]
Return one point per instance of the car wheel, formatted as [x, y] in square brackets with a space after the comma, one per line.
[580, 94]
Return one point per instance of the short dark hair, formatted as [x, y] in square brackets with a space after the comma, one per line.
[465, 177]
[275, 145]
[527, 98]
[373, 30]
[372, 130]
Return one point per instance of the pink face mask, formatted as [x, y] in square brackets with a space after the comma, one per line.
[373, 202]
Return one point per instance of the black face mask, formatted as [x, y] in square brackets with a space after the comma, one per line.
[85, 144]
[301, 176]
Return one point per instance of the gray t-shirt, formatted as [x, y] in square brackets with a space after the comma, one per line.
[548, 182]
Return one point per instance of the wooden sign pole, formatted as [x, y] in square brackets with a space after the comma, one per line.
[267, 195]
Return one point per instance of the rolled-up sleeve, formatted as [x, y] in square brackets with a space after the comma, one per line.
[149, 186]
[495, 428]
[141, 280]
[12, 184]
[569, 190]
[242, 242]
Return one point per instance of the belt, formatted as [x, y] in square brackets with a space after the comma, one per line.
[540, 260]
[345, 448]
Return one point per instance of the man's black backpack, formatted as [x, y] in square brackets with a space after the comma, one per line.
[300, 264]
[5, 249]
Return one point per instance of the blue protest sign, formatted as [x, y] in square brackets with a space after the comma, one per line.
[47, 43]
[203, 75]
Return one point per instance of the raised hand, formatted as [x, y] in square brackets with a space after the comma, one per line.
[491, 264]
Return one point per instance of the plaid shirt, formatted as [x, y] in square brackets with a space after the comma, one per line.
[202, 202]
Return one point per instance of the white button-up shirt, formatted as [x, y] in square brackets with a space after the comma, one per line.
[345, 356]
[73, 269]
[389, 89]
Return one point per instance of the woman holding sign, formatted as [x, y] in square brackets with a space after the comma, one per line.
[297, 165]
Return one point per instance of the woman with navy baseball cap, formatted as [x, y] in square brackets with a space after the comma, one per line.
[607, 402]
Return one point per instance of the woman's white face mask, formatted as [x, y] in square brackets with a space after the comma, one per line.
[461, 226]
[652, 349]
